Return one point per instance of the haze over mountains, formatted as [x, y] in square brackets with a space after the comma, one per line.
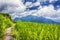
[22, 8]
[31, 18]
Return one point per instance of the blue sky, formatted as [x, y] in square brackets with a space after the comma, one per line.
[55, 3]
[20, 8]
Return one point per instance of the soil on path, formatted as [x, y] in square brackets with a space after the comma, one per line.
[8, 33]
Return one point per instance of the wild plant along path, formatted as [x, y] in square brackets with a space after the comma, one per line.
[8, 33]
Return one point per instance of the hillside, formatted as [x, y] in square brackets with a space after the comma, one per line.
[5, 22]
[36, 31]
[29, 30]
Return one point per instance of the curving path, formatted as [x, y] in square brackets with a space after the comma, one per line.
[8, 33]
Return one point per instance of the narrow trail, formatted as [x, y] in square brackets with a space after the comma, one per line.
[8, 33]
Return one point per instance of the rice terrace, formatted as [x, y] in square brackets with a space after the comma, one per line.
[29, 30]
[29, 19]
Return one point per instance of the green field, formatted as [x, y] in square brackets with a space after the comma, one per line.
[36, 31]
[5, 22]
[29, 30]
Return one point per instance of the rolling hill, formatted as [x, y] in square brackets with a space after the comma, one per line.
[30, 30]
[5, 22]
[31, 18]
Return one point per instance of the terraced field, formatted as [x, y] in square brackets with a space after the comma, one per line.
[5, 23]
[36, 31]
[29, 30]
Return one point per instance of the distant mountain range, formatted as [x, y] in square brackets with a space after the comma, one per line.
[31, 18]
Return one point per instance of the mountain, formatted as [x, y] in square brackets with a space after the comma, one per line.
[31, 18]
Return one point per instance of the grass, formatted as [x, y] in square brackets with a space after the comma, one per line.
[29, 30]
[36, 31]
[5, 22]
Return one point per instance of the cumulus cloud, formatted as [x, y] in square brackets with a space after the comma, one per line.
[28, 4]
[46, 11]
[49, 12]
[12, 5]
[16, 8]
[36, 4]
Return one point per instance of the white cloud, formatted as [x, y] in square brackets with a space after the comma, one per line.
[55, 19]
[28, 3]
[13, 5]
[16, 8]
[37, 4]
[46, 11]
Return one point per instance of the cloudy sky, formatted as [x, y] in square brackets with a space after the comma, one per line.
[19, 8]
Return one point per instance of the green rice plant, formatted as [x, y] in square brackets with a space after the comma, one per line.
[4, 24]
[36, 31]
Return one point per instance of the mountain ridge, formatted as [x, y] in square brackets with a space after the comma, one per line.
[31, 18]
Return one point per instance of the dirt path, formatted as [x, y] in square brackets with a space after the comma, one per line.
[8, 33]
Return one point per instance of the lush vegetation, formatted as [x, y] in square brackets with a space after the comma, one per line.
[5, 22]
[29, 30]
[36, 31]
